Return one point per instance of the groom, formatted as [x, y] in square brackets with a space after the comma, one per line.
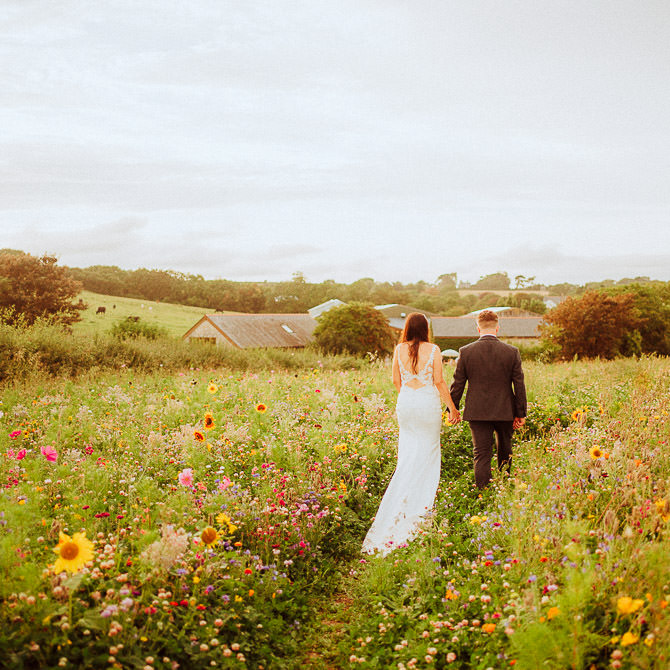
[495, 404]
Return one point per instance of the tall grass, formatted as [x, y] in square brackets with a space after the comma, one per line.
[48, 349]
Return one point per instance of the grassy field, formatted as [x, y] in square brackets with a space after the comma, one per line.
[176, 319]
[214, 519]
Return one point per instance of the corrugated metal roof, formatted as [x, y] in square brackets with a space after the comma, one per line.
[248, 331]
[318, 310]
[457, 326]
[502, 312]
[399, 311]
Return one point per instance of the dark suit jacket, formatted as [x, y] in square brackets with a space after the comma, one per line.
[492, 370]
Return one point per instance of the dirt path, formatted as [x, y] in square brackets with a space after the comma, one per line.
[334, 619]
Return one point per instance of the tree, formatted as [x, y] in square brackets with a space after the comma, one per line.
[448, 281]
[32, 287]
[497, 281]
[594, 325]
[652, 300]
[356, 329]
[521, 281]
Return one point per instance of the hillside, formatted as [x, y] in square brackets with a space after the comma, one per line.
[177, 319]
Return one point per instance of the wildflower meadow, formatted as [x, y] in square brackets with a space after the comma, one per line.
[214, 518]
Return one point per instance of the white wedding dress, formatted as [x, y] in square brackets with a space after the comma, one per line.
[411, 492]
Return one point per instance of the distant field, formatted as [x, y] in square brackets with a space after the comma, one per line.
[176, 319]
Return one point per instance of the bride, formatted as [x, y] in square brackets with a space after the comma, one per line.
[417, 374]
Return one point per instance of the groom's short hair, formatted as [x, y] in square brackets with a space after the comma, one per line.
[487, 318]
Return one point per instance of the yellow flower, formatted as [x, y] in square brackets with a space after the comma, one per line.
[73, 552]
[198, 436]
[626, 605]
[477, 520]
[224, 518]
[553, 612]
[628, 638]
[209, 421]
[261, 408]
[340, 448]
[578, 414]
[212, 388]
[663, 509]
[595, 452]
[209, 536]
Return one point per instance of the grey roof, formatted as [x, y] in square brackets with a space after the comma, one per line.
[248, 331]
[502, 312]
[399, 311]
[318, 310]
[457, 326]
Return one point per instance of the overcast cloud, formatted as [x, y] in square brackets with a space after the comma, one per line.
[391, 140]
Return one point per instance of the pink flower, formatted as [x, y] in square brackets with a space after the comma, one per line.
[11, 453]
[186, 477]
[21, 455]
[14, 434]
[224, 483]
[49, 453]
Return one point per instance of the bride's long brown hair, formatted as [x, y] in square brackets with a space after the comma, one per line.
[415, 332]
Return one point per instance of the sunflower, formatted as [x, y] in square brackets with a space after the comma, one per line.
[209, 536]
[212, 388]
[261, 408]
[595, 452]
[578, 414]
[225, 519]
[209, 421]
[73, 552]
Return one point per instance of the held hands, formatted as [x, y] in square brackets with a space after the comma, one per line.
[518, 422]
[454, 417]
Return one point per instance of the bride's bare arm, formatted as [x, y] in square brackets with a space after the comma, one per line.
[441, 386]
[396, 370]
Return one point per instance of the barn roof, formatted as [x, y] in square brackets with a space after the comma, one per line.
[318, 310]
[457, 326]
[248, 331]
[502, 312]
[394, 310]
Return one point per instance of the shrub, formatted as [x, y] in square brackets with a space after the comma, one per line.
[132, 328]
[594, 325]
[356, 329]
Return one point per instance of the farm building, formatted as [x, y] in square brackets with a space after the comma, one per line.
[396, 314]
[502, 312]
[459, 328]
[249, 331]
[317, 311]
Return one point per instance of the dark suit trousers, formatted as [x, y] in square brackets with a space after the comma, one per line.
[484, 433]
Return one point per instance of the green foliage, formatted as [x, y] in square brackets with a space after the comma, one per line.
[356, 329]
[47, 348]
[132, 328]
[652, 300]
[530, 302]
[593, 325]
[37, 288]
[496, 281]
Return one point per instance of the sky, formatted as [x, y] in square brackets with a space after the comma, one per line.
[359, 138]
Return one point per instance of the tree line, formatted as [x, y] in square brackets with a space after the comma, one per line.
[606, 319]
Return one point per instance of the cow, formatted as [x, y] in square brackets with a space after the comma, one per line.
[101, 310]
